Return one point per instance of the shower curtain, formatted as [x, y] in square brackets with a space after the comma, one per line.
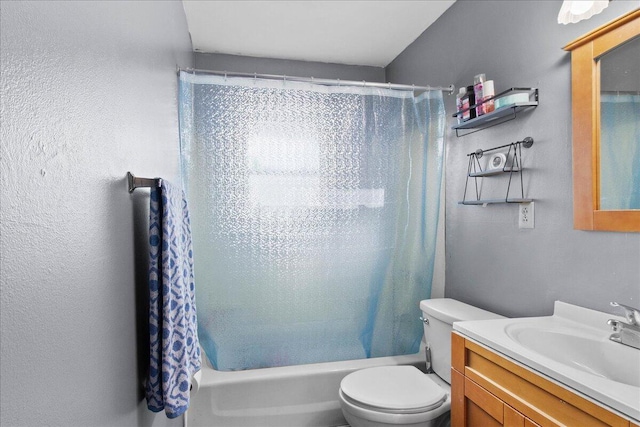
[314, 212]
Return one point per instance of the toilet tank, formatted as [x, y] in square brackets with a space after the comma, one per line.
[440, 314]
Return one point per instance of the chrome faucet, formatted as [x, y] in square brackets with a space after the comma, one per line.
[626, 333]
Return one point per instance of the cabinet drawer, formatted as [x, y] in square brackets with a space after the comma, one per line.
[475, 406]
[490, 404]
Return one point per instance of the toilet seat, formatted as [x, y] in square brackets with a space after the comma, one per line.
[392, 390]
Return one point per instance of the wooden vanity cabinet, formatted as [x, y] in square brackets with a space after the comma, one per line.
[489, 390]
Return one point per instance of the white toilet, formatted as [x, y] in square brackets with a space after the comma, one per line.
[404, 395]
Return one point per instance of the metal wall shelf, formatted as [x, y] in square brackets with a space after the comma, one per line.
[498, 116]
[493, 201]
[513, 165]
[493, 172]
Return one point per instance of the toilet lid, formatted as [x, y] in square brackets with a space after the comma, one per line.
[394, 388]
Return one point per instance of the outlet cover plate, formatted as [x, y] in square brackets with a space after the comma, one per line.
[526, 215]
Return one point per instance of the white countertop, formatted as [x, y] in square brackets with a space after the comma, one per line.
[574, 322]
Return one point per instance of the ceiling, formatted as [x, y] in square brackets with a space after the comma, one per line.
[369, 33]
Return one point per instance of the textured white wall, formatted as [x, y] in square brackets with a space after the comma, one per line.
[89, 91]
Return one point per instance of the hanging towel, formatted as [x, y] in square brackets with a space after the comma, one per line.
[173, 337]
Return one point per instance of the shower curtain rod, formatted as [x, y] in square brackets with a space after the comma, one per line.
[327, 82]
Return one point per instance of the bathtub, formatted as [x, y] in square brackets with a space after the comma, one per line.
[291, 396]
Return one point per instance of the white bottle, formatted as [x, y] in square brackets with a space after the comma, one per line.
[488, 92]
[478, 82]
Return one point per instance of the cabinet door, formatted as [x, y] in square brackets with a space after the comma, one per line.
[482, 407]
[471, 405]
[513, 418]
[529, 423]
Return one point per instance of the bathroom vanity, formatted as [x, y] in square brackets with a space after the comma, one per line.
[560, 370]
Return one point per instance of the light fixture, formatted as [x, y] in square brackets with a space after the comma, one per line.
[573, 11]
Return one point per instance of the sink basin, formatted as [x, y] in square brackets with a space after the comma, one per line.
[590, 353]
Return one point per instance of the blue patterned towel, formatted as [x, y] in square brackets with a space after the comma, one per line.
[174, 347]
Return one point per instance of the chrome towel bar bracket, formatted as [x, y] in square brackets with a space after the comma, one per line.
[135, 182]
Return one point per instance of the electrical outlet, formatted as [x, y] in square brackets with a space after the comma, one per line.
[525, 215]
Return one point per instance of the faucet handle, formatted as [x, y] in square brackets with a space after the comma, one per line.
[632, 314]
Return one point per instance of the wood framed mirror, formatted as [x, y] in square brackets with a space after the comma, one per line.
[594, 188]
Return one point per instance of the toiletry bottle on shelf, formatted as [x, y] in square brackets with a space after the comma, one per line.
[467, 101]
[478, 82]
[459, 97]
[488, 91]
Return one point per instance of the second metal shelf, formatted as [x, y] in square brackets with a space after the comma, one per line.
[493, 201]
[512, 163]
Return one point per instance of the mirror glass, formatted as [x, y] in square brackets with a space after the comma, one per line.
[620, 127]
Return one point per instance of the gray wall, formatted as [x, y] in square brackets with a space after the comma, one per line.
[247, 64]
[489, 261]
[89, 91]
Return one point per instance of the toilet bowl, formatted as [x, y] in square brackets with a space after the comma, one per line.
[394, 395]
[404, 395]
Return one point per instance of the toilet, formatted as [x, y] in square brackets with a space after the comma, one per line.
[404, 395]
